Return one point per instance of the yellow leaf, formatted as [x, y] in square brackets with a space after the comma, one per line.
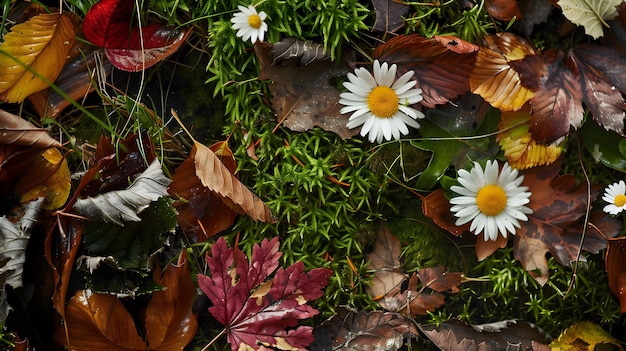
[33, 49]
[583, 336]
[55, 188]
[520, 149]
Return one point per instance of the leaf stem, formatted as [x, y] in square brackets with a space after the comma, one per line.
[215, 338]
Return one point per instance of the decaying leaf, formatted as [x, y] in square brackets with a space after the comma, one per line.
[109, 24]
[364, 331]
[14, 237]
[18, 131]
[395, 290]
[455, 335]
[559, 205]
[303, 96]
[101, 322]
[389, 15]
[441, 64]
[125, 205]
[615, 265]
[493, 78]
[306, 51]
[33, 54]
[385, 261]
[591, 14]
[55, 188]
[256, 317]
[585, 336]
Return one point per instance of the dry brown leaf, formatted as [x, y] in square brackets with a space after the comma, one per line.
[56, 187]
[16, 130]
[215, 176]
[33, 49]
[385, 259]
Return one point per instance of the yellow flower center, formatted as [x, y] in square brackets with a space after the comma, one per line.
[255, 21]
[620, 200]
[491, 200]
[383, 102]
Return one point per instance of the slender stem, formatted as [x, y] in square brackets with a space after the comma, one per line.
[215, 338]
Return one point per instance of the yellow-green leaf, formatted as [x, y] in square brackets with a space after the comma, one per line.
[584, 336]
[591, 14]
[34, 50]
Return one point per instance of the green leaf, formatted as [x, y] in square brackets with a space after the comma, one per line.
[454, 140]
[591, 14]
[605, 146]
[127, 250]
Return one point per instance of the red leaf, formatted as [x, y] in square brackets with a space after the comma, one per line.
[442, 65]
[109, 24]
[256, 309]
[437, 207]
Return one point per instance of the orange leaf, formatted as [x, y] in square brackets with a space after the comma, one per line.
[56, 187]
[101, 322]
[437, 207]
[36, 48]
[215, 176]
[493, 78]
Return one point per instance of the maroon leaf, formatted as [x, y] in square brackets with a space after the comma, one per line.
[256, 309]
[557, 100]
[440, 71]
[389, 15]
[615, 263]
[109, 24]
[373, 331]
[455, 335]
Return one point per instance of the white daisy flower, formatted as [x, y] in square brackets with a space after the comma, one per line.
[249, 24]
[615, 195]
[493, 202]
[379, 104]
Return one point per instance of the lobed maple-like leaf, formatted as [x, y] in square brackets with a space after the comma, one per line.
[591, 14]
[33, 54]
[109, 24]
[442, 65]
[494, 79]
[364, 331]
[258, 304]
[303, 95]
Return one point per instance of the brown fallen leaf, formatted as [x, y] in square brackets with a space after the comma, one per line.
[303, 96]
[33, 49]
[364, 331]
[615, 265]
[455, 335]
[100, 321]
[389, 15]
[385, 260]
[18, 131]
